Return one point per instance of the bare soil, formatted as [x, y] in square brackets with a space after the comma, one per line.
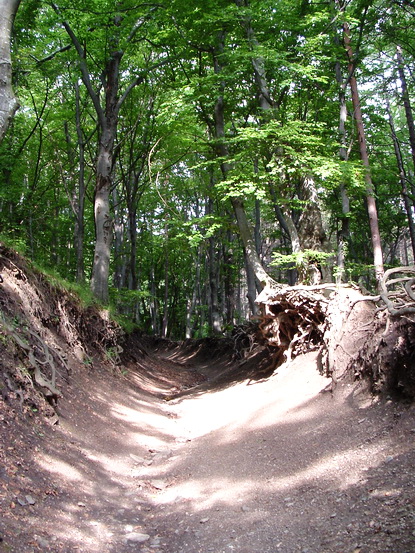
[281, 464]
[183, 448]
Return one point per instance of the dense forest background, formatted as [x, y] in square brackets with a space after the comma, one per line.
[165, 153]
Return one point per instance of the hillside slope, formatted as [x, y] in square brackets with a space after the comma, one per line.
[169, 448]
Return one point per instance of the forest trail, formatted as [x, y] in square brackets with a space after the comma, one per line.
[279, 465]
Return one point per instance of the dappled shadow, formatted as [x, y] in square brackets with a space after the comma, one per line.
[279, 466]
[216, 363]
[85, 473]
[265, 482]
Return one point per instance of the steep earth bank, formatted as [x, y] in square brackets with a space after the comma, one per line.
[183, 448]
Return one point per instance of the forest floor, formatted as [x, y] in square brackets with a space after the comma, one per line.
[177, 455]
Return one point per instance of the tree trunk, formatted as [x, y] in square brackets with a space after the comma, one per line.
[191, 302]
[119, 257]
[310, 226]
[402, 178]
[285, 220]
[249, 244]
[132, 227]
[103, 220]
[245, 230]
[370, 198]
[153, 301]
[214, 315]
[8, 102]
[266, 104]
[103, 235]
[79, 223]
[251, 287]
[165, 324]
[406, 103]
[344, 231]
[228, 291]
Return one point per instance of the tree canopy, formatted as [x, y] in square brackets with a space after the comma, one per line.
[178, 155]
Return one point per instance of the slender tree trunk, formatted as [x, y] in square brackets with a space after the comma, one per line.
[191, 302]
[249, 244]
[132, 229]
[79, 216]
[251, 293]
[215, 321]
[370, 197]
[165, 324]
[8, 102]
[119, 257]
[266, 105]
[257, 228]
[403, 179]
[285, 220]
[406, 103]
[344, 231]
[153, 301]
[227, 282]
[292, 230]
[244, 227]
[214, 315]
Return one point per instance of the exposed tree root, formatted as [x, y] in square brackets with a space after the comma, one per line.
[43, 362]
[292, 319]
[370, 337]
[35, 317]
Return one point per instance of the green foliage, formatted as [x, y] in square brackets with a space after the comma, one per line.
[301, 259]
[173, 220]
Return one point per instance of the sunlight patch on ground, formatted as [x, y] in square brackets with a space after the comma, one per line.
[335, 472]
[68, 472]
[207, 493]
[339, 470]
[253, 406]
[145, 423]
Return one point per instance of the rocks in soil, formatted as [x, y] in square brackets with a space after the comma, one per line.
[136, 537]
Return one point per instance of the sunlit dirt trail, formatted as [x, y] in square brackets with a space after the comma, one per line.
[279, 465]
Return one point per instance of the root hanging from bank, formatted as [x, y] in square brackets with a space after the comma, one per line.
[42, 363]
[358, 337]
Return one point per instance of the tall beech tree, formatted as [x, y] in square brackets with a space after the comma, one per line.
[107, 98]
[8, 101]
[210, 134]
[370, 196]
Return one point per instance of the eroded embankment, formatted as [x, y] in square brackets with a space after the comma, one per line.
[187, 448]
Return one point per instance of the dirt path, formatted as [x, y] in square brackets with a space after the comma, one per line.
[272, 466]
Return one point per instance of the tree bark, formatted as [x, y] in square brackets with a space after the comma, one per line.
[344, 231]
[165, 323]
[79, 223]
[154, 312]
[370, 197]
[8, 101]
[406, 103]
[251, 287]
[215, 321]
[119, 235]
[245, 230]
[402, 178]
[191, 302]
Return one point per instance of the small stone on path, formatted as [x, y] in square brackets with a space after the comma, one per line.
[136, 537]
[158, 484]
